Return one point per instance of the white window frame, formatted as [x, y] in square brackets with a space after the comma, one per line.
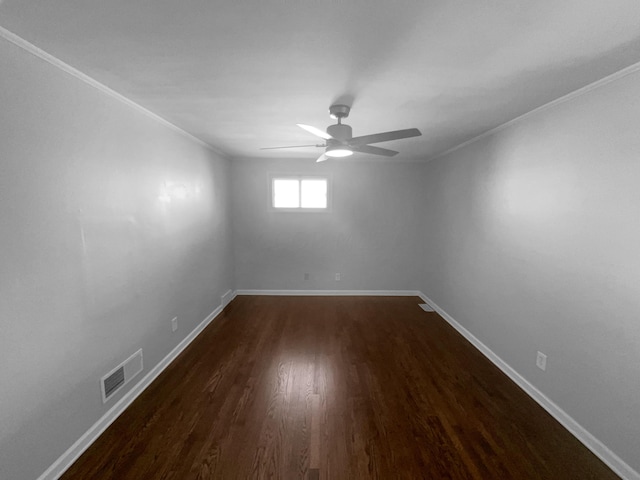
[299, 177]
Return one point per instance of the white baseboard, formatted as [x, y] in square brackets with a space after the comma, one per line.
[619, 466]
[73, 453]
[333, 293]
[227, 297]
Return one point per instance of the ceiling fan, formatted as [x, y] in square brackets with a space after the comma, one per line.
[341, 143]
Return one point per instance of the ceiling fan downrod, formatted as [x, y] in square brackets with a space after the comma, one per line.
[340, 132]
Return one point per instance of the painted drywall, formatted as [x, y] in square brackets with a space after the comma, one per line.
[111, 224]
[531, 242]
[369, 235]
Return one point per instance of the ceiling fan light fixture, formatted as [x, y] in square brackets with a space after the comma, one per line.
[338, 151]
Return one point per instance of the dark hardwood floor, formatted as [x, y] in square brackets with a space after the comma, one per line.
[334, 388]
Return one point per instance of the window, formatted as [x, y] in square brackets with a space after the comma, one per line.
[298, 193]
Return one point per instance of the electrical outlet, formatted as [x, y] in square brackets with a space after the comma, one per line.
[174, 324]
[338, 277]
[541, 361]
[306, 276]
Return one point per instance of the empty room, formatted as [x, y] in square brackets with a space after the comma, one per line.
[319, 240]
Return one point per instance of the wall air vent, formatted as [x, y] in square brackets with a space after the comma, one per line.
[121, 375]
[113, 382]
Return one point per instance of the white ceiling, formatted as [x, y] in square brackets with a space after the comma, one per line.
[240, 74]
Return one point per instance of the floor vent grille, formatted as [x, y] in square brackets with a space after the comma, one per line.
[426, 307]
[121, 375]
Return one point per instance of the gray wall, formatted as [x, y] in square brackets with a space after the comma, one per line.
[532, 242]
[95, 259]
[370, 235]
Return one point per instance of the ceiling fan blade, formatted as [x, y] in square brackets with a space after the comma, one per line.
[316, 131]
[385, 137]
[292, 146]
[374, 150]
[322, 158]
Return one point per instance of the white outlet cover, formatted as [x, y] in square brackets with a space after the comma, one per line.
[338, 276]
[174, 324]
[541, 361]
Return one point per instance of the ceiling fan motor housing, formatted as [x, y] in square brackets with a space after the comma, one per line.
[340, 132]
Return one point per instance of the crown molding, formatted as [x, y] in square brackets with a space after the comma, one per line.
[74, 72]
[553, 103]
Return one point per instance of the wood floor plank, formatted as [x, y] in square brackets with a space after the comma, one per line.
[334, 388]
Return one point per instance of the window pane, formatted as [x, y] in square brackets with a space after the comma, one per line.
[314, 193]
[286, 193]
